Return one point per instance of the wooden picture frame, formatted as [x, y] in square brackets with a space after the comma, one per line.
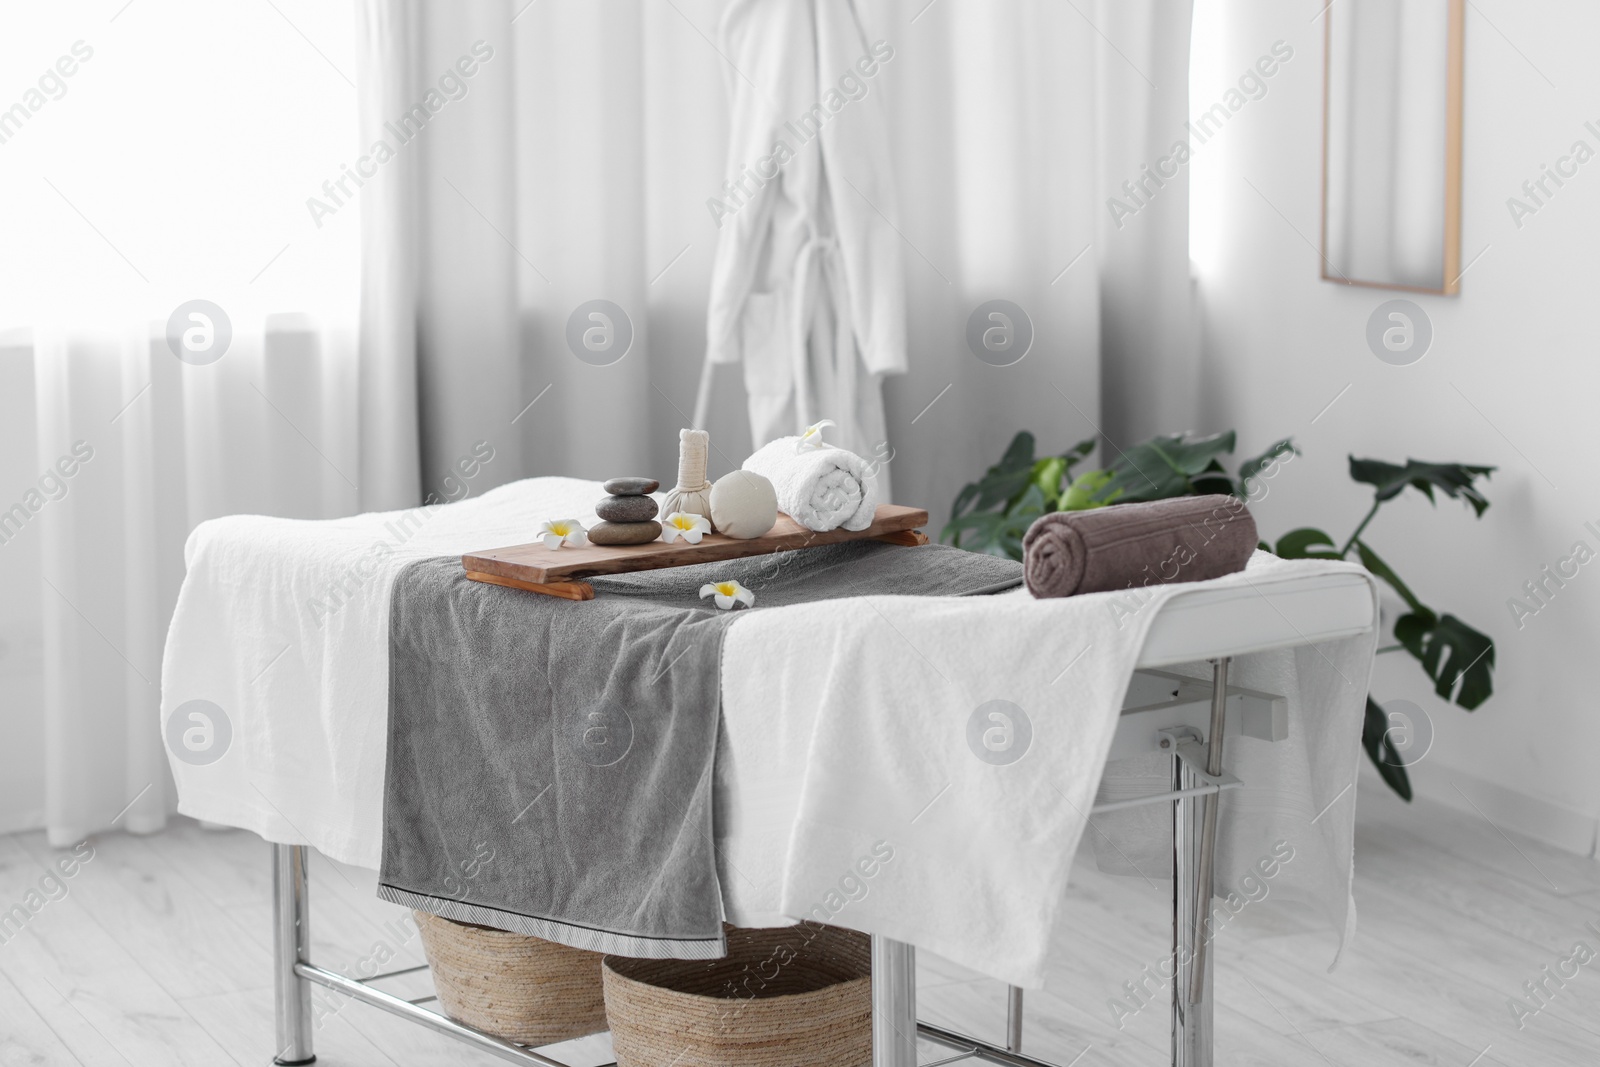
[1450, 200]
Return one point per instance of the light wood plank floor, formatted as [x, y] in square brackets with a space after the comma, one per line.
[158, 954]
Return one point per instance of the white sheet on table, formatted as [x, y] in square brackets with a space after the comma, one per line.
[1301, 790]
[306, 692]
[867, 703]
[980, 852]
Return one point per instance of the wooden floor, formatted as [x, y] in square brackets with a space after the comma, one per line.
[158, 954]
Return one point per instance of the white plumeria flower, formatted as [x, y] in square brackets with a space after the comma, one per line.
[686, 525]
[812, 437]
[728, 594]
[557, 532]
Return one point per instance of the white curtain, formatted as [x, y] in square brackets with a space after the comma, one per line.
[570, 166]
[1150, 342]
[540, 157]
[112, 448]
[994, 111]
[154, 446]
[578, 165]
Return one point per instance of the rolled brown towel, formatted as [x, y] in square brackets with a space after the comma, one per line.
[1184, 539]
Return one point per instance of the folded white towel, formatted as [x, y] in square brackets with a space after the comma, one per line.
[820, 488]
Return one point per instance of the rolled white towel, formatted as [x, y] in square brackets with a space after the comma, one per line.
[820, 488]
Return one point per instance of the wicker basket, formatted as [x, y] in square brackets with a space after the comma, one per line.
[798, 996]
[521, 988]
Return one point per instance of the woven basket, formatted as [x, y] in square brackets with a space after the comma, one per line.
[521, 988]
[798, 996]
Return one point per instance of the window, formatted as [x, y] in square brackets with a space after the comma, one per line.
[158, 151]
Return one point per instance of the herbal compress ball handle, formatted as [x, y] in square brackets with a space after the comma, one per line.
[693, 493]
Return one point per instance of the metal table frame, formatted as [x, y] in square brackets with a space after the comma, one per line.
[1197, 779]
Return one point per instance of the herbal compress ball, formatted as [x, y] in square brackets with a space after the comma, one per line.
[743, 504]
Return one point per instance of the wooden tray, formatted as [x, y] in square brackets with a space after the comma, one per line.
[557, 572]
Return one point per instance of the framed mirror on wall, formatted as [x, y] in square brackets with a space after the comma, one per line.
[1391, 177]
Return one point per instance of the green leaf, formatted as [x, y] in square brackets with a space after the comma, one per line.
[1302, 544]
[1047, 475]
[997, 533]
[1078, 451]
[1136, 484]
[1019, 453]
[1197, 455]
[975, 523]
[968, 494]
[1163, 466]
[1084, 493]
[1458, 658]
[1455, 480]
[1007, 539]
[961, 524]
[1031, 504]
[1001, 484]
[1214, 479]
[1370, 560]
[1010, 476]
[1388, 761]
[1252, 467]
[1412, 630]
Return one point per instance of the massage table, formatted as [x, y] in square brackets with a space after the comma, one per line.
[1189, 720]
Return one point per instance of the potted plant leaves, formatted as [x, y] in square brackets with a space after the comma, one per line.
[991, 515]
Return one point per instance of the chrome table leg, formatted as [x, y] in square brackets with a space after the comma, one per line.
[1013, 1019]
[291, 944]
[1194, 844]
[1191, 1023]
[1205, 880]
[894, 1003]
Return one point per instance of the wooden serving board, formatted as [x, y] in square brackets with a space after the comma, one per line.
[559, 572]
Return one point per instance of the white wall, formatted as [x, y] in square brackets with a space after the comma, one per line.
[1511, 379]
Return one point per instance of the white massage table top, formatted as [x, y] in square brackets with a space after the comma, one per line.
[1207, 623]
[309, 725]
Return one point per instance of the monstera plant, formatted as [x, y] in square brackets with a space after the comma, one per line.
[991, 515]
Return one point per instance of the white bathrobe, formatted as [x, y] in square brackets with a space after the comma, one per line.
[808, 289]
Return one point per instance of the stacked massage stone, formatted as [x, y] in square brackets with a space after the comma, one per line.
[629, 513]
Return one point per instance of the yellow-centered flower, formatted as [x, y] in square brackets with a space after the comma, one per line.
[727, 594]
[812, 436]
[686, 525]
[557, 532]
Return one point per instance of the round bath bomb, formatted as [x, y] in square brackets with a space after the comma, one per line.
[624, 533]
[626, 508]
[743, 504]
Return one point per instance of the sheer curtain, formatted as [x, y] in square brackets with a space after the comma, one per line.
[163, 153]
[570, 165]
[168, 446]
[577, 161]
[537, 158]
[1150, 343]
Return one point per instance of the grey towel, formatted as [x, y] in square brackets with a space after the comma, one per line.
[550, 761]
[1183, 539]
